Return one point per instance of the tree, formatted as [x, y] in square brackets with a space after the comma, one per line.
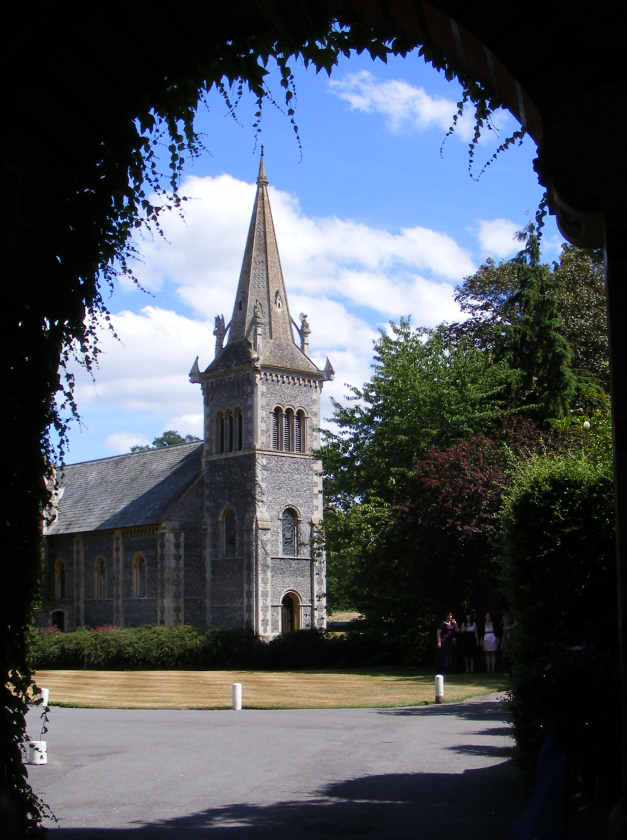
[492, 299]
[169, 438]
[535, 341]
[425, 392]
[440, 547]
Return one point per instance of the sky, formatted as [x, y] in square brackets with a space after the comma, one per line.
[376, 218]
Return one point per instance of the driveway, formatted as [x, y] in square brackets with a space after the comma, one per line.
[421, 772]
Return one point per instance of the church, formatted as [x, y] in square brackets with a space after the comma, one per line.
[222, 532]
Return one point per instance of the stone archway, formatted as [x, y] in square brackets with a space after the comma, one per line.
[562, 75]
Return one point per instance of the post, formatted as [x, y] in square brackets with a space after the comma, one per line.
[237, 697]
[439, 688]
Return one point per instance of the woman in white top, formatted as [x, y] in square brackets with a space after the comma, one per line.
[490, 643]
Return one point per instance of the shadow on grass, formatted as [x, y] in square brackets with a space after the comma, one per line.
[477, 804]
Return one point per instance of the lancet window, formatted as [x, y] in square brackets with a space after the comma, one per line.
[100, 578]
[139, 576]
[289, 533]
[228, 523]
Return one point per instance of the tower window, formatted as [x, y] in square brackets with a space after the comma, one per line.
[289, 533]
[220, 432]
[229, 432]
[288, 430]
[299, 431]
[239, 430]
[277, 429]
[229, 533]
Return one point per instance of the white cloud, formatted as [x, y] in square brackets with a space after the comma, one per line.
[406, 107]
[200, 257]
[146, 369]
[346, 276]
[498, 237]
[120, 442]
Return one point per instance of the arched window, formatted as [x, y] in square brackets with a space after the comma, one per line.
[229, 431]
[59, 578]
[239, 430]
[290, 613]
[277, 429]
[100, 579]
[288, 431]
[139, 576]
[219, 432]
[299, 431]
[289, 533]
[229, 533]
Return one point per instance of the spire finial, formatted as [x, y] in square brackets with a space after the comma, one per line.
[261, 177]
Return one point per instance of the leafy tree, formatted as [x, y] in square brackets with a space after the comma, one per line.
[492, 299]
[582, 301]
[439, 549]
[169, 438]
[537, 346]
[426, 391]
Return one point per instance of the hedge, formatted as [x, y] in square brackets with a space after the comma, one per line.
[190, 647]
[559, 579]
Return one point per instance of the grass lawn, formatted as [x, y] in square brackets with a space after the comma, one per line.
[359, 687]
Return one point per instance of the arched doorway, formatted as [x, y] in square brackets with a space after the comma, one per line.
[290, 613]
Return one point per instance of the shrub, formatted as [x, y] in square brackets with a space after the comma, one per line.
[559, 581]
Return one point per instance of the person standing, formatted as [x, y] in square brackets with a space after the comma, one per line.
[446, 637]
[470, 642]
[490, 643]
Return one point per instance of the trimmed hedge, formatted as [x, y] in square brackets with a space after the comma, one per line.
[190, 647]
[144, 647]
[559, 578]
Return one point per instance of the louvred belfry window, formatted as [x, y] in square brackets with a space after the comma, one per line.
[299, 431]
[220, 432]
[229, 432]
[277, 424]
[239, 430]
[288, 431]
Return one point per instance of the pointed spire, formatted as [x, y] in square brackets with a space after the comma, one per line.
[261, 302]
[262, 178]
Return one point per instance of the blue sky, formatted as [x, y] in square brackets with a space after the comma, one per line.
[373, 222]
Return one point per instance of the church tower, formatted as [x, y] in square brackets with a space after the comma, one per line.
[262, 484]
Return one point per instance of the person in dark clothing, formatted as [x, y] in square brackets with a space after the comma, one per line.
[446, 637]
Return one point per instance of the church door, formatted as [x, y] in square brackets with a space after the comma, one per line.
[290, 614]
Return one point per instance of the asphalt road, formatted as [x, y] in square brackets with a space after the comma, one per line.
[422, 772]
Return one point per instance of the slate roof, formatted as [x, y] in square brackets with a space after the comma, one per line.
[124, 491]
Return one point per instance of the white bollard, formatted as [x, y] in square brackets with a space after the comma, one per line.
[36, 752]
[44, 696]
[237, 697]
[439, 688]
